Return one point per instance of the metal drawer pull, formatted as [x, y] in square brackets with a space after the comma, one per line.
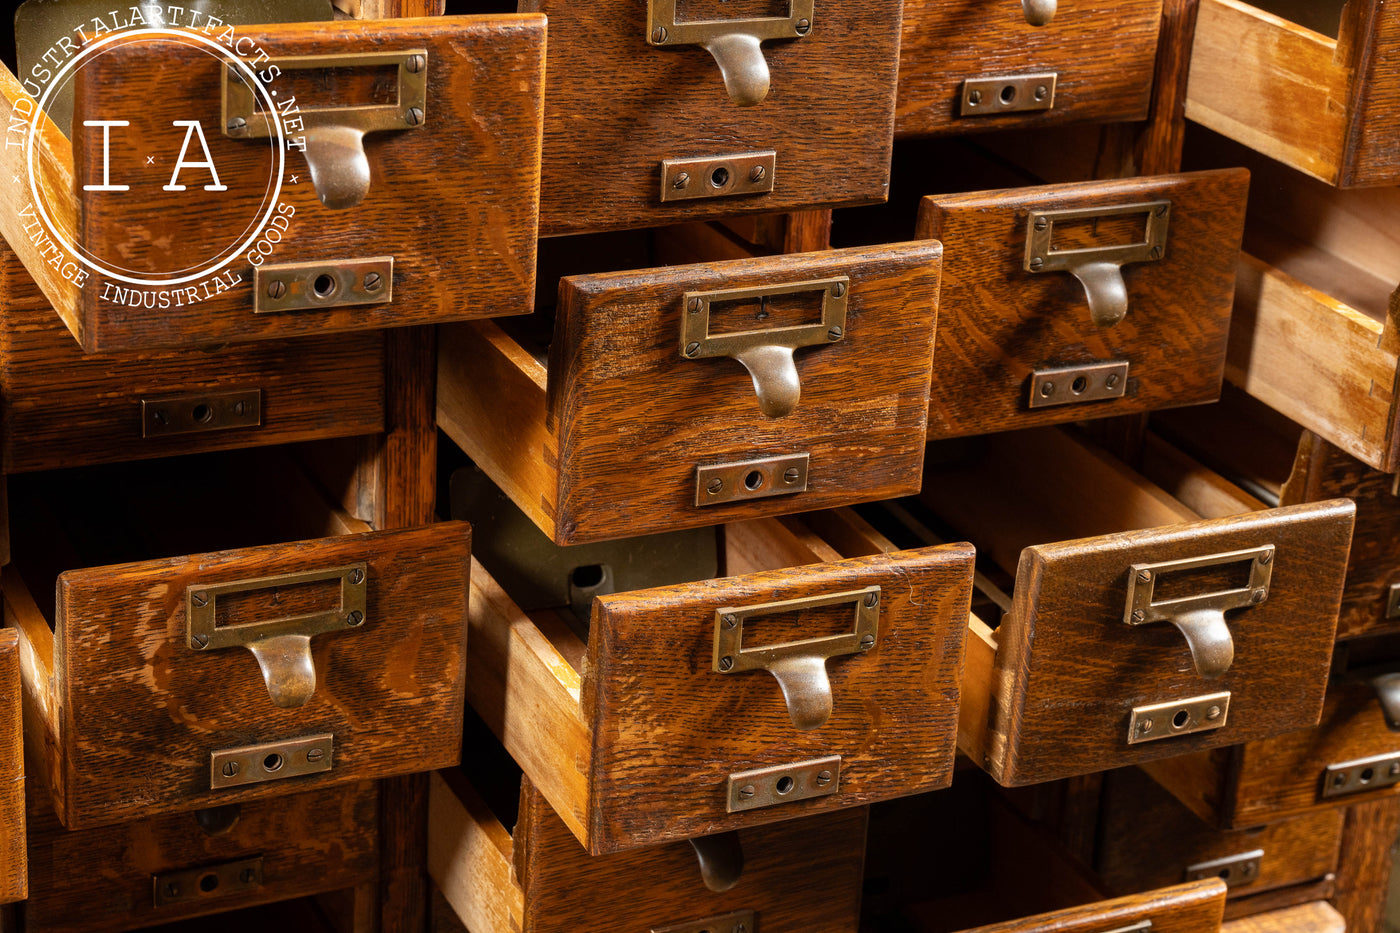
[1038, 12]
[333, 138]
[1142, 926]
[736, 44]
[1387, 687]
[1099, 268]
[799, 666]
[1200, 618]
[766, 354]
[721, 860]
[282, 646]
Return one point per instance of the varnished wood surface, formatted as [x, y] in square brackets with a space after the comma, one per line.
[101, 879]
[1315, 917]
[1364, 875]
[14, 872]
[615, 107]
[452, 201]
[1187, 908]
[999, 323]
[1159, 143]
[1102, 53]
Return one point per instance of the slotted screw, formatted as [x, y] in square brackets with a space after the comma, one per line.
[867, 642]
[415, 63]
[172, 889]
[823, 778]
[200, 641]
[1258, 595]
[1144, 576]
[1156, 252]
[314, 755]
[746, 791]
[1213, 713]
[803, 26]
[658, 35]
[230, 768]
[680, 181]
[276, 288]
[373, 281]
[236, 124]
[1145, 726]
[160, 417]
[1112, 380]
[1266, 557]
[974, 98]
[726, 663]
[1041, 92]
[247, 876]
[790, 475]
[357, 576]
[714, 486]
[835, 333]
[1041, 224]
[695, 305]
[201, 599]
[1037, 264]
[1139, 616]
[838, 289]
[414, 116]
[692, 348]
[730, 621]
[355, 617]
[871, 599]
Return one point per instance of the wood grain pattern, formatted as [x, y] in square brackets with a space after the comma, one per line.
[615, 107]
[1364, 875]
[101, 879]
[1159, 143]
[14, 872]
[1103, 54]
[1316, 917]
[1000, 323]
[453, 201]
[1186, 908]
[469, 857]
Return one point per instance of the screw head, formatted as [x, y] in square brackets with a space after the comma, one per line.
[415, 63]
[247, 876]
[240, 408]
[1258, 595]
[695, 305]
[974, 98]
[658, 34]
[200, 641]
[1156, 252]
[1339, 779]
[160, 417]
[1266, 557]
[314, 755]
[838, 289]
[414, 117]
[1144, 576]
[726, 663]
[1213, 713]
[680, 181]
[823, 778]
[871, 600]
[714, 486]
[746, 791]
[1112, 380]
[757, 172]
[835, 333]
[1041, 92]
[803, 26]
[230, 768]
[1042, 224]
[276, 288]
[1247, 868]
[790, 475]
[1162, 211]
[692, 348]
[236, 124]
[1139, 616]
[357, 576]
[1145, 726]
[172, 889]
[730, 621]
[1047, 389]
[867, 642]
[1037, 264]
[372, 281]
[356, 617]
[1395, 769]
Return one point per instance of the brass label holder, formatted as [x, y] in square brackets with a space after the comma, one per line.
[1201, 618]
[766, 354]
[1099, 268]
[799, 666]
[334, 137]
[282, 646]
[735, 44]
[241, 876]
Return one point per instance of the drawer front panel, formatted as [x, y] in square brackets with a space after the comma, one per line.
[1188, 908]
[1075, 675]
[144, 711]
[64, 408]
[1006, 331]
[800, 875]
[677, 713]
[105, 878]
[638, 421]
[1101, 57]
[617, 107]
[451, 200]
[14, 873]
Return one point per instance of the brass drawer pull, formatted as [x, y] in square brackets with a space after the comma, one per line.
[333, 138]
[799, 666]
[735, 44]
[1201, 618]
[766, 354]
[282, 646]
[1038, 12]
[1099, 268]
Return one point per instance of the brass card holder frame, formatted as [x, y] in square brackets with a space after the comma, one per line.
[335, 136]
[799, 666]
[1100, 268]
[1201, 618]
[735, 44]
[281, 646]
[766, 354]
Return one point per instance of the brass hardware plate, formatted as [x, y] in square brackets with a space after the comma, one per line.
[204, 634]
[207, 883]
[300, 286]
[751, 479]
[1392, 600]
[1178, 717]
[242, 119]
[1142, 583]
[718, 176]
[766, 787]
[1008, 94]
[1235, 870]
[1069, 385]
[208, 411]
[271, 761]
[661, 15]
[1363, 774]
[740, 921]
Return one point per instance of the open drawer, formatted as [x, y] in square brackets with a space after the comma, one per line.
[800, 875]
[1306, 82]
[694, 395]
[1313, 917]
[370, 174]
[968, 68]
[1067, 302]
[224, 668]
[1186, 908]
[14, 873]
[800, 684]
[1088, 668]
[62, 407]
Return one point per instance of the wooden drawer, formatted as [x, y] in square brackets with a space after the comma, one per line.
[1093, 62]
[1087, 338]
[14, 871]
[1306, 83]
[1069, 680]
[62, 407]
[412, 198]
[1315, 917]
[632, 86]
[623, 434]
[801, 875]
[165, 868]
[861, 704]
[140, 695]
[1187, 908]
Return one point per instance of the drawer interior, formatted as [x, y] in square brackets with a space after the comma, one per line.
[1321, 16]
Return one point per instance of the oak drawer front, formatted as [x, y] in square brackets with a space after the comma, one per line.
[121, 877]
[206, 721]
[1094, 63]
[63, 408]
[1029, 335]
[437, 222]
[617, 107]
[1075, 679]
[631, 406]
[677, 688]
[1186, 908]
[14, 873]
